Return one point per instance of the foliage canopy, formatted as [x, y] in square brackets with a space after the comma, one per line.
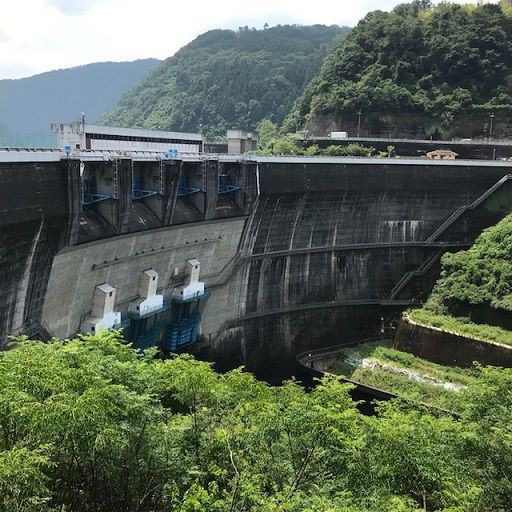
[90, 425]
[417, 58]
[483, 273]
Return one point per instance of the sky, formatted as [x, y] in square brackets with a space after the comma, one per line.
[42, 35]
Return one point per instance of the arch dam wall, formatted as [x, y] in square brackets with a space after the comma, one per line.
[333, 246]
[300, 254]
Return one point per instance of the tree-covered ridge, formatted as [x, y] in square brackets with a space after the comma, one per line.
[89, 425]
[436, 61]
[480, 275]
[30, 105]
[225, 79]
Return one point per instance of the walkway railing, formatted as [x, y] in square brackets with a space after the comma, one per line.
[425, 267]
[457, 213]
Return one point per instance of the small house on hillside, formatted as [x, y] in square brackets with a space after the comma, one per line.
[442, 154]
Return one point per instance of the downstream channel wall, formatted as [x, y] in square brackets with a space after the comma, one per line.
[448, 348]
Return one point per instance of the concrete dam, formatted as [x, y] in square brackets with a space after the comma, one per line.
[294, 253]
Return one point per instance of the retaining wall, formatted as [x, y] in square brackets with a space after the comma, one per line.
[448, 348]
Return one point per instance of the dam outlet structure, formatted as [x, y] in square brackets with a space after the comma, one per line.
[243, 261]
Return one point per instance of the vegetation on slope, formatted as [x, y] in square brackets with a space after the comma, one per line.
[406, 375]
[461, 325]
[482, 274]
[225, 79]
[30, 105]
[90, 425]
[471, 281]
[435, 61]
[272, 142]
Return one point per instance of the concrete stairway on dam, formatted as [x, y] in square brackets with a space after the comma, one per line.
[221, 279]
[457, 213]
[425, 267]
[428, 263]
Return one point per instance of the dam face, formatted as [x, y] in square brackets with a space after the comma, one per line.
[33, 221]
[333, 248]
[295, 253]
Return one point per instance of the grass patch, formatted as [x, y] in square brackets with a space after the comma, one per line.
[412, 378]
[464, 326]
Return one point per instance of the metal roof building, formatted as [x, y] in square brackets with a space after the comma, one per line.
[82, 136]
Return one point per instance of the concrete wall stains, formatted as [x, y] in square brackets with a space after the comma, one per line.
[326, 246]
[33, 221]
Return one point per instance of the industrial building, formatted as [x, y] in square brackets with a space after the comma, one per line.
[82, 136]
[241, 141]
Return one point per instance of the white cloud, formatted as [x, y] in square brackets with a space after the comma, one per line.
[74, 7]
[15, 69]
[65, 33]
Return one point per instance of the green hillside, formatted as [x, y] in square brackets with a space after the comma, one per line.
[226, 79]
[474, 294]
[30, 105]
[433, 62]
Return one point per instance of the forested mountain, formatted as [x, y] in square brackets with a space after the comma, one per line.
[226, 79]
[31, 104]
[435, 62]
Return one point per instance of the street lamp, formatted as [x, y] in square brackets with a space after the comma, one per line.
[359, 123]
[492, 116]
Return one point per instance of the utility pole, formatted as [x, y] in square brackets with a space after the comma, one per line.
[492, 116]
[359, 123]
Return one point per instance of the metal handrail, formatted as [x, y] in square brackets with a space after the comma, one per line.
[457, 213]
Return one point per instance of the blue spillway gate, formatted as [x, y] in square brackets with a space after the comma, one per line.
[183, 189]
[138, 192]
[225, 186]
[182, 332]
[89, 196]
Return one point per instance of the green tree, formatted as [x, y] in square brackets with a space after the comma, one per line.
[23, 481]
[88, 425]
[267, 133]
[433, 62]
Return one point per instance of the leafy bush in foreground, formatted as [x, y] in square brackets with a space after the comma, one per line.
[90, 425]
